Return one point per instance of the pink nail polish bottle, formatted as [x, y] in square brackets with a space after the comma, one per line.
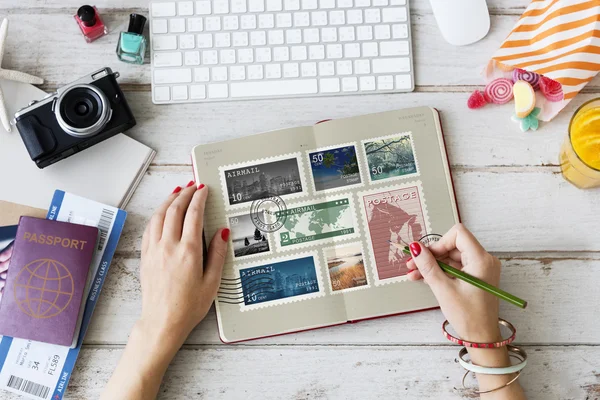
[90, 23]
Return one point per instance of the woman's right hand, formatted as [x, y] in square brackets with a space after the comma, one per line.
[472, 312]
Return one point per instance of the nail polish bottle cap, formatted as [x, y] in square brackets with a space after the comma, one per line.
[136, 23]
[87, 15]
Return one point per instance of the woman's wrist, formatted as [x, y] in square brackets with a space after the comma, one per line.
[164, 341]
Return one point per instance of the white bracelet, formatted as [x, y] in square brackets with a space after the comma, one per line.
[518, 353]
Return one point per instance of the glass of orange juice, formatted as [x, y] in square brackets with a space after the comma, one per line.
[580, 153]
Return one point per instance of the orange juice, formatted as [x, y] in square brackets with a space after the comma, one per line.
[580, 153]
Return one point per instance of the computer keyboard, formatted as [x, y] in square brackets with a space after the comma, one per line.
[215, 50]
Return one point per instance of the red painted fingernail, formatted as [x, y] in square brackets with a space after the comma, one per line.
[200, 186]
[225, 234]
[190, 183]
[177, 189]
[415, 249]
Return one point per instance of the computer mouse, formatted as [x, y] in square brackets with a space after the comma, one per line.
[461, 22]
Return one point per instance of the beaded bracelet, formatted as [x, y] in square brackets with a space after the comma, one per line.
[466, 343]
[517, 353]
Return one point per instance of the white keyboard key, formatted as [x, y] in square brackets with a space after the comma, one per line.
[345, 3]
[197, 92]
[255, 72]
[329, 85]
[352, 50]
[167, 59]
[362, 3]
[210, 57]
[387, 65]
[227, 56]
[192, 58]
[299, 53]
[309, 69]
[337, 18]
[164, 42]
[203, 7]
[248, 21]
[177, 25]
[293, 36]
[311, 35]
[364, 32]
[281, 54]
[309, 4]
[326, 68]
[276, 37]
[266, 21]
[367, 83]
[344, 67]
[301, 19]
[237, 73]
[159, 26]
[329, 35]
[166, 76]
[204, 41]
[263, 54]
[240, 39]
[334, 51]
[284, 20]
[220, 6]
[370, 49]
[195, 25]
[396, 48]
[186, 42]
[397, 2]
[219, 74]
[212, 24]
[290, 70]
[201, 74]
[222, 40]
[385, 82]
[350, 84]
[274, 88]
[256, 5]
[319, 18]
[372, 16]
[238, 6]
[403, 82]
[162, 93]
[379, 3]
[180, 92]
[273, 71]
[362, 67]
[355, 17]
[163, 10]
[316, 52]
[185, 8]
[400, 31]
[218, 91]
[382, 32]
[258, 38]
[327, 3]
[291, 5]
[245, 56]
[394, 14]
[274, 5]
[347, 34]
[231, 23]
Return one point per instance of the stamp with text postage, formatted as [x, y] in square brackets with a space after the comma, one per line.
[346, 267]
[391, 157]
[334, 168]
[247, 240]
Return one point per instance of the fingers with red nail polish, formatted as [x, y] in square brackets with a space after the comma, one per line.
[200, 186]
[176, 190]
[190, 183]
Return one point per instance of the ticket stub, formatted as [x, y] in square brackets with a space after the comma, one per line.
[42, 371]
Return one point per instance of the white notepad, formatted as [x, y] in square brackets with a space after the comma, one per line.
[108, 172]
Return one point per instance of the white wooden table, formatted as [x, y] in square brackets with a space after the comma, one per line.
[510, 194]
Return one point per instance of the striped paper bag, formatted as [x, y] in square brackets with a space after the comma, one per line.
[559, 39]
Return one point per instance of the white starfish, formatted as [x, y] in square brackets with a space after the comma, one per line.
[11, 75]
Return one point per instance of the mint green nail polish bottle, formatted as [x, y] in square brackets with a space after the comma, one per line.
[132, 44]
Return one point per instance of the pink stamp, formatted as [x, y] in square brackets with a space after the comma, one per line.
[397, 214]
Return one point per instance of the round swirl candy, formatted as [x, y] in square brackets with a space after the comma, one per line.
[499, 91]
[530, 77]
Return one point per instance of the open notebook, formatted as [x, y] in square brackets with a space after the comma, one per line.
[108, 172]
[312, 212]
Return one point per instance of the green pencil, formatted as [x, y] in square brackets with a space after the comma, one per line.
[474, 281]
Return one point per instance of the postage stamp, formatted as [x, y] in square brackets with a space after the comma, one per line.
[282, 176]
[247, 239]
[281, 280]
[334, 168]
[316, 221]
[393, 214]
[391, 157]
[346, 267]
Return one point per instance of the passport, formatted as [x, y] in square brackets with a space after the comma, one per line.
[46, 280]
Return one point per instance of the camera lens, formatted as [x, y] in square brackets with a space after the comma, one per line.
[82, 110]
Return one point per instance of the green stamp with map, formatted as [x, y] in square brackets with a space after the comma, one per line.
[317, 221]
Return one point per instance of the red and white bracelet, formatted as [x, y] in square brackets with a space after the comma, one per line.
[466, 343]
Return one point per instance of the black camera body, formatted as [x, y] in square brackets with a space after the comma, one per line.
[77, 116]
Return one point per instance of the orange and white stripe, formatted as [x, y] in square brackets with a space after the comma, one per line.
[559, 39]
